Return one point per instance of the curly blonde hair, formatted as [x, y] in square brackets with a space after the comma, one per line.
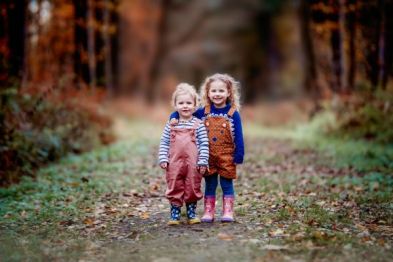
[182, 89]
[232, 85]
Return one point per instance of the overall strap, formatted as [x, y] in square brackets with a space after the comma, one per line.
[207, 109]
[231, 111]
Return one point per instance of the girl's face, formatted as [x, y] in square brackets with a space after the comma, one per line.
[185, 105]
[218, 94]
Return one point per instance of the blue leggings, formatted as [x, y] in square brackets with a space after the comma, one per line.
[211, 183]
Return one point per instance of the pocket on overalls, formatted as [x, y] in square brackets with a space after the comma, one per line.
[172, 170]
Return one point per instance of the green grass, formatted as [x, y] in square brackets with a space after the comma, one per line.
[63, 191]
[319, 215]
[344, 152]
[31, 211]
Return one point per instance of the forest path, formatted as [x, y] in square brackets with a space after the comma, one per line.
[288, 208]
[291, 205]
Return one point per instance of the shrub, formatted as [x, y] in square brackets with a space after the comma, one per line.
[37, 129]
[367, 116]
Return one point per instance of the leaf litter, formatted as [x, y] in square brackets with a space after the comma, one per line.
[286, 206]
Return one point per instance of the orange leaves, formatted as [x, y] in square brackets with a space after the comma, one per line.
[88, 221]
[144, 215]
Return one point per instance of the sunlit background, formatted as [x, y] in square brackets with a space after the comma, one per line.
[141, 48]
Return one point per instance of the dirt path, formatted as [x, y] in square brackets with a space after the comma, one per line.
[291, 205]
[286, 210]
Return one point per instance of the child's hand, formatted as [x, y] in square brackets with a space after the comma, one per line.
[164, 165]
[174, 121]
[202, 169]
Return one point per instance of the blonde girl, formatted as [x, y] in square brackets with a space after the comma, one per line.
[184, 154]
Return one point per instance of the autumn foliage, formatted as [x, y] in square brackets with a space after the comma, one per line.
[42, 128]
[57, 57]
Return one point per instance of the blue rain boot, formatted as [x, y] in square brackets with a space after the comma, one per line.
[175, 215]
[191, 214]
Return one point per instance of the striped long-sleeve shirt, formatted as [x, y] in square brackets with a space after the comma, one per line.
[202, 141]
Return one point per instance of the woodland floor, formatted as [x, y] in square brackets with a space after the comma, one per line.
[294, 203]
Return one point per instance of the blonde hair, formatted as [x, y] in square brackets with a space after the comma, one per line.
[182, 89]
[232, 85]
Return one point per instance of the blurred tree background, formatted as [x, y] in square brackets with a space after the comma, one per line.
[60, 59]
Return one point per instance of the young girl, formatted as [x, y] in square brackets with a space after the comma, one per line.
[220, 97]
[184, 154]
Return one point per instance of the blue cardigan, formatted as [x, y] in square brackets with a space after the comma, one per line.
[236, 127]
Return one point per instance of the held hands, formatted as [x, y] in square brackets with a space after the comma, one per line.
[202, 169]
[174, 121]
[164, 165]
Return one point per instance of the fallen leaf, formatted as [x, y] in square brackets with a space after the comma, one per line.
[144, 215]
[88, 221]
[225, 236]
[276, 233]
[381, 242]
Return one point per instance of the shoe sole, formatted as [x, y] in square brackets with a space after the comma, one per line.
[194, 221]
[227, 220]
[173, 223]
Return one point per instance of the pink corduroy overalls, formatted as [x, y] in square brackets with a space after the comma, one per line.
[182, 177]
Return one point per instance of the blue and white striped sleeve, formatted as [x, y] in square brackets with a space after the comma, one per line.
[203, 142]
[164, 144]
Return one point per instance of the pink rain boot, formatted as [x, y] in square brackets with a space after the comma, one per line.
[227, 207]
[210, 208]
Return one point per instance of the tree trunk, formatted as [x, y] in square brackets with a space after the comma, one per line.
[4, 49]
[337, 39]
[12, 41]
[99, 10]
[91, 44]
[388, 42]
[352, 28]
[310, 75]
[115, 45]
[80, 41]
[26, 51]
[381, 43]
[373, 42]
[108, 46]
